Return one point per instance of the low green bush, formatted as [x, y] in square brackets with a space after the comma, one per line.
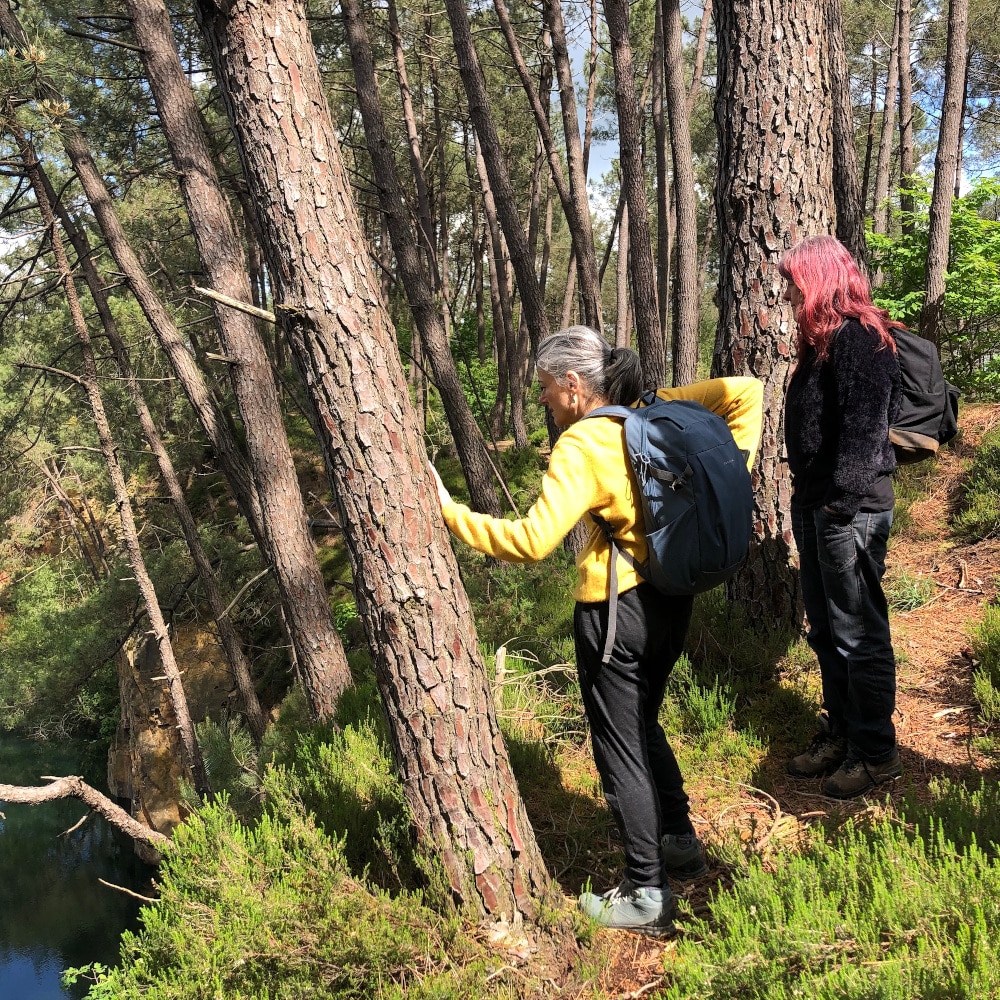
[273, 912]
[979, 513]
[873, 912]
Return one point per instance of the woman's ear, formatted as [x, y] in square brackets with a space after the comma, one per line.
[573, 381]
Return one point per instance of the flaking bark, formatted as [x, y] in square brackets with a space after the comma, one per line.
[774, 188]
[446, 739]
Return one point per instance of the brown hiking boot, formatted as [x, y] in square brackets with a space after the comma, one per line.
[825, 754]
[855, 777]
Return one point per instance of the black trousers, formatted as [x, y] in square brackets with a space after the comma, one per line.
[642, 782]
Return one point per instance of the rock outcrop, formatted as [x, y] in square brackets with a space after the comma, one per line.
[143, 763]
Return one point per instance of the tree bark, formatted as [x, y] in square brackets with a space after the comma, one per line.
[663, 187]
[416, 282]
[906, 164]
[321, 658]
[492, 152]
[870, 134]
[960, 146]
[883, 165]
[623, 330]
[846, 182]
[641, 267]
[446, 739]
[686, 311]
[939, 229]
[191, 753]
[774, 187]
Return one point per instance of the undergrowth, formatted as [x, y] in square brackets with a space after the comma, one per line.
[906, 907]
[979, 516]
[272, 911]
[306, 881]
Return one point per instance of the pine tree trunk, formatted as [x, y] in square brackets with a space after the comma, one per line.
[447, 743]
[685, 316]
[883, 165]
[773, 112]
[321, 657]
[846, 182]
[663, 187]
[961, 125]
[870, 134]
[939, 230]
[641, 266]
[623, 329]
[906, 161]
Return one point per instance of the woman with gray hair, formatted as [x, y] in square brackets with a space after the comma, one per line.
[590, 477]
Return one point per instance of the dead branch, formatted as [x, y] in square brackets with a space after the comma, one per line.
[129, 892]
[74, 786]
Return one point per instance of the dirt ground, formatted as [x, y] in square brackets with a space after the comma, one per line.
[935, 720]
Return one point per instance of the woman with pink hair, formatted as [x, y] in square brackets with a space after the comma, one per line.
[841, 399]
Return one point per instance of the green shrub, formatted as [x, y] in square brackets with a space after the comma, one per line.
[875, 913]
[272, 912]
[707, 710]
[979, 515]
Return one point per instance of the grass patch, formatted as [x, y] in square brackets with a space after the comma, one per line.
[986, 678]
[907, 591]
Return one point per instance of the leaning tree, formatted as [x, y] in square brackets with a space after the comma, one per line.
[447, 743]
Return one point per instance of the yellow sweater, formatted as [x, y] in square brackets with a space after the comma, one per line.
[588, 472]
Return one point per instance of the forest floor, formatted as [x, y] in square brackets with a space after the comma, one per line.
[936, 719]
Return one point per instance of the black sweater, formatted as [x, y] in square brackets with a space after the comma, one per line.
[837, 416]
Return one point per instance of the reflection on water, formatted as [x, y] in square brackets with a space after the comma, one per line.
[53, 911]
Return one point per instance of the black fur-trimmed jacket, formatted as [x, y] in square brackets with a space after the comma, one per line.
[837, 416]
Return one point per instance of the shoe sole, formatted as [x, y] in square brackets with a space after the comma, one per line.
[650, 932]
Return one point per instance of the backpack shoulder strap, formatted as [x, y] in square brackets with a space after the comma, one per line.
[611, 411]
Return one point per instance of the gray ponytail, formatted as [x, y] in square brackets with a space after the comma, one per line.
[613, 374]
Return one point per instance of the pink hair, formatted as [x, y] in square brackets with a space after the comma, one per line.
[834, 289]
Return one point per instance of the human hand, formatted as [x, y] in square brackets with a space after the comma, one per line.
[443, 495]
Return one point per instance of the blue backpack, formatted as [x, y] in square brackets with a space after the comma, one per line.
[697, 501]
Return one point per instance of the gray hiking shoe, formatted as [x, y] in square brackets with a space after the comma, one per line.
[683, 856]
[645, 909]
[824, 754]
[855, 777]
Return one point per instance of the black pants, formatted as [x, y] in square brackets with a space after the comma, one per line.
[641, 779]
[841, 567]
